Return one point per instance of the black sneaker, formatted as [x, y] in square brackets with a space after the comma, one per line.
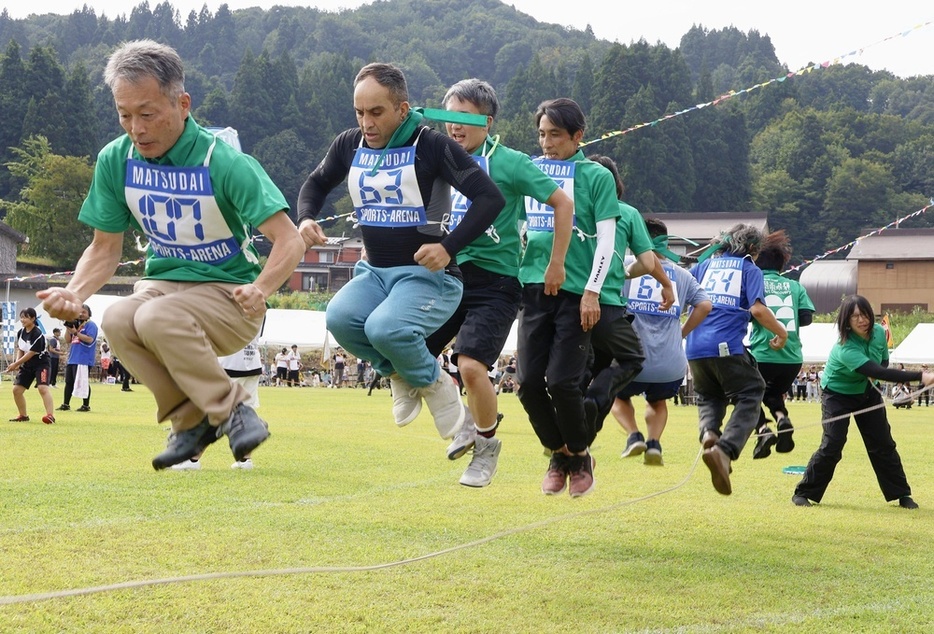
[653, 453]
[245, 430]
[907, 503]
[800, 500]
[635, 445]
[83, 408]
[785, 442]
[63, 407]
[766, 440]
[183, 445]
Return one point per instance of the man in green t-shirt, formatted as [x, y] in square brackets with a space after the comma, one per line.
[204, 293]
[490, 266]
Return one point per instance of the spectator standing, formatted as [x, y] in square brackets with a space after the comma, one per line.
[282, 367]
[54, 347]
[82, 348]
[295, 367]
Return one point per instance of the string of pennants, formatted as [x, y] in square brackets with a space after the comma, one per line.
[736, 93]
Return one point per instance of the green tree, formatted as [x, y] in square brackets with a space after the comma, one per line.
[47, 211]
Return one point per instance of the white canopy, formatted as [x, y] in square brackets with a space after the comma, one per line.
[304, 328]
[917, 348]
[816, 341]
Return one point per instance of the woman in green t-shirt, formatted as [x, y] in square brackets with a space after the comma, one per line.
[859, 355]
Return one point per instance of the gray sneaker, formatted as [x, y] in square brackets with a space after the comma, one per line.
[185, 444]
[482, 466]
[464, 439]
[443, 398]
[635, 445]
[245, 431]
[406, 402]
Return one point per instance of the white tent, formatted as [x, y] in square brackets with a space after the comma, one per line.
[304, 328]
[917, 348]
[97, 303]
[816, 341]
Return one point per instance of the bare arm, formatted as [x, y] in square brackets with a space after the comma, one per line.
[698, 314]
[561, 239]
[94, 269]
[288, 247]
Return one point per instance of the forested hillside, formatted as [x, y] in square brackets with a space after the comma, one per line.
[826, 153]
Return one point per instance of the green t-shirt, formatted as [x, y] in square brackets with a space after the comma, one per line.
[244, 195]
[594, 196]
[840, 373]
[784, 298]
[499, 249]
[632, 234]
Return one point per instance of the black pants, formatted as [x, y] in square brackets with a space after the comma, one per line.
[552, 344]
[874, 427]
[53, 373]
[617, 360]
[778, 380]
[71, 371]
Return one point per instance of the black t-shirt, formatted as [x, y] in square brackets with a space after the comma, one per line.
[33, 341]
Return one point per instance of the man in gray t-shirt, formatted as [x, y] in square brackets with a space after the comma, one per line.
[661, 333]
[54, 346]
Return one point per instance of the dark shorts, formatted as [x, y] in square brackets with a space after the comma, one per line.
[282, 373]
[654, 392]
[484, 317]
[40, 374]
[293, 376]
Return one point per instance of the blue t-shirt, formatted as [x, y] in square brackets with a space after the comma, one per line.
[733, 285]
[80, 353]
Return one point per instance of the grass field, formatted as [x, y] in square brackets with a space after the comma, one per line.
[357, 526]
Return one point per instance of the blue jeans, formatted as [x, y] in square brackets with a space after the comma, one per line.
[383, 315]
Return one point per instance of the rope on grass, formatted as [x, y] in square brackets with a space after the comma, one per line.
[278, 572]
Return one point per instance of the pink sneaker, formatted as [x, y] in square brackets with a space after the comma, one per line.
[556, 478]
[581, 475]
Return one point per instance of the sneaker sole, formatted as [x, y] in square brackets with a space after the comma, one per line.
[653, 458]
[555, 492]
[720, 484]
[460, 451]
[635, 449]
[478, 484]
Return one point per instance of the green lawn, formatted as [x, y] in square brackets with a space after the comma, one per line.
[382, 538]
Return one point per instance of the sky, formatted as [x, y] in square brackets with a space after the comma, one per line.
[889, 35]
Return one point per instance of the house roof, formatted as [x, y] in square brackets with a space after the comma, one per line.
[895, 244]
[7, 230]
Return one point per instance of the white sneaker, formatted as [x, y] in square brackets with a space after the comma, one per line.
[443, 398]
[406, 402]
[187, 465]
[464, 439]
[482, 467]
[246, 463]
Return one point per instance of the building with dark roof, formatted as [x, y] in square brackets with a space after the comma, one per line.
[895, 270]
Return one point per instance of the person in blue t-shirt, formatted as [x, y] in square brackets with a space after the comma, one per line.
[81, 335]
[724, 371]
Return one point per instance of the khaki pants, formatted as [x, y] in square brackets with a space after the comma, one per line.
[169, 335]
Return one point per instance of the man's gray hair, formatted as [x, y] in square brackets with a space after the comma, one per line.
[137, 60]
[741, 240]
[477, 92]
